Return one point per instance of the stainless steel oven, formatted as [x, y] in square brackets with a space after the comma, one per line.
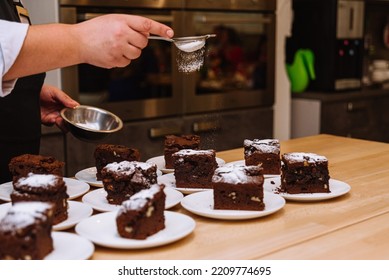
[238, 66]
[229, 99]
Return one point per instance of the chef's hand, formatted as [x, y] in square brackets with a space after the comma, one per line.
[52, 100]
[114, 40]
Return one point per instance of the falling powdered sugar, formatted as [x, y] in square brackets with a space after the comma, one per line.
[189, 62]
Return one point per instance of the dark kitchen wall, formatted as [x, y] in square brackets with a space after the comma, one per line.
[376, 21]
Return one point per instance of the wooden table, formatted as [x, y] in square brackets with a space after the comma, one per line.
[353, 226]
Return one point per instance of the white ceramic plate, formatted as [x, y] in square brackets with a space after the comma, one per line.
[70, 246]
[337, 188]
[242, 162]
[160, 162]
[101, 230]
[88, 175]
[201, 203]
[170, 181]
[77, 211]
[97, 199]
[75, 189]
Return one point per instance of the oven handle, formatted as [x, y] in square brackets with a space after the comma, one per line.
[203, 19]
[159, 18]
[205, 126]
[158, 132]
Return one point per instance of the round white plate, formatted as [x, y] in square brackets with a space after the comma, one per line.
[70, 246]
[201, 203]
[242, 162]
[337, 188]
[101, 230]
[75, 189]
[160, 162]
[170, 181]
[77, 211]
[97, 199]
[88, 175]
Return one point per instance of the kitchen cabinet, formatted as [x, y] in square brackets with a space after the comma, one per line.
[218, 130]
[359, 114]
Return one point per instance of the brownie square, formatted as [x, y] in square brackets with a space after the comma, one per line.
[45, 188]
[25, 231]
[22, 165]
[175, 143]
[123, 179]
[194, 168]
[238, 187]
[143, 214]
[265, 152]
[304, 173]
[108, 153]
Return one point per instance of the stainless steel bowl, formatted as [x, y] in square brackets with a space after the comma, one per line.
[91, 124]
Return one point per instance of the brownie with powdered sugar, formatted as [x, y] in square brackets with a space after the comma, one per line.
[108, 153]
[304, 173]
[238, 187]
[264, 152]
[194, 168]
[45, 188]
[123, 179]
[175, 143]
[25, 231]
[143, 214]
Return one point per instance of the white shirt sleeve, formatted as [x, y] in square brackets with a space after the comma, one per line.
[12, 35]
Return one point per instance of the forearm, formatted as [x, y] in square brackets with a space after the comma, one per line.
[107, 41]
[46, 47]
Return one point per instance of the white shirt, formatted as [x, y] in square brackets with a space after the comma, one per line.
[12, 35]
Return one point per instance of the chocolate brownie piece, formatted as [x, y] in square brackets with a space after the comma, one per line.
[238, 187]
[108, 153]
[22, 165]
[174, 143]
[265, 152]
[194, 168]
[304, 173]
[143, 214]
[25, 231]
[123, 179]
[45, 188]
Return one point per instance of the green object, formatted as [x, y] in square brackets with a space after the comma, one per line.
[302, 70]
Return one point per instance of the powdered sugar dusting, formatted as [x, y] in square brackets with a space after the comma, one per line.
[23, 214]
[301, 157]
[188, 62]
[184, 152]
[38, 180]
[140, 199]
[127, 167]
[234, 174]
[269, 146]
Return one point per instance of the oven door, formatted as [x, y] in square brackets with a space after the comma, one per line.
[238, 68]
[142, 90]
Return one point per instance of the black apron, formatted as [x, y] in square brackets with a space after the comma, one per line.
[20, 120]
